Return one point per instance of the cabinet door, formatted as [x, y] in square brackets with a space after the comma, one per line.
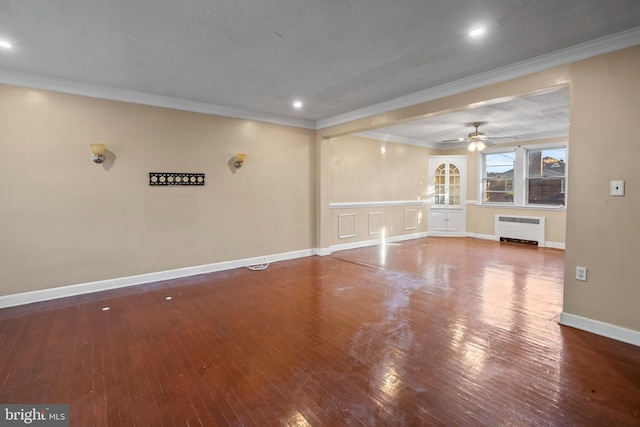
[438, 220]
[455, 218]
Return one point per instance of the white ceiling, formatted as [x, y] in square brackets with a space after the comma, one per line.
[540, 115]
[253, 58]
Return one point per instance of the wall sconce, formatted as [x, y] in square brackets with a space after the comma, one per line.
[98, 152]
[240, 159]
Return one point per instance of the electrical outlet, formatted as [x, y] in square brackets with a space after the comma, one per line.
[581, 273]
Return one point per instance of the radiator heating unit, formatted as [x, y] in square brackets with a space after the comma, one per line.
[521, 229]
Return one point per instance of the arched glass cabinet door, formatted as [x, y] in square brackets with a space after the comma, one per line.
[440, 184]
[454, 185]
[447, 181]
[446, 208]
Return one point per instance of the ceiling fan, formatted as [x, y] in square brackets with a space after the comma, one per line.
[478, 140]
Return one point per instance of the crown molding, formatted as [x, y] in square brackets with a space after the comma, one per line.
[579, 52]
[124, 95]
[565, 56]
[443, 146]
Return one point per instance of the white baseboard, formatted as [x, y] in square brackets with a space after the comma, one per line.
[447, 233]
[482, 236]
[555, 245]
[121, 282]
[608, 330]
[373, 242]
[322, 251]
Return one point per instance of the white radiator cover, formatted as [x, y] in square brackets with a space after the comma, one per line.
[521, 228]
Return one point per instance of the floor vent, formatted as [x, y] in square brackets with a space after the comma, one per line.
[521, 229]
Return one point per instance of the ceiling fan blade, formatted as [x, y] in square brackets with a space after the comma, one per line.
[477, 136]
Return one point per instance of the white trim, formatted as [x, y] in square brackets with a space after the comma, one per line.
[370, 221]
[601, 328]
[376, 204]
[569, 55]
[322, 251]
[374, 242]
[355, 226]
[482, 236]
[447, 233]
[380, 136]
[413, 227]
[140, 279]
[124, 95]
[555, 245]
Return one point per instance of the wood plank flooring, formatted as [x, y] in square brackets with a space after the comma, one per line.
[435, 331]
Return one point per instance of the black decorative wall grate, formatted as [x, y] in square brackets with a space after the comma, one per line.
[175, 178]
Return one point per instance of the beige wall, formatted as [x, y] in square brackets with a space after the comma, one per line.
[66, 220]
[362, 172]
[369, 170]
[603, 232]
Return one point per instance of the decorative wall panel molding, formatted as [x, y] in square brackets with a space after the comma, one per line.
[410, 219]
[347, 225]
[376, 222]
[175, 178]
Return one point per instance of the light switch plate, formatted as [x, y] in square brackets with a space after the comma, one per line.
[617, 188]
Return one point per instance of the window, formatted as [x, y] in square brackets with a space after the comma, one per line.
[524, 176]
[498, 178]
[546, 174]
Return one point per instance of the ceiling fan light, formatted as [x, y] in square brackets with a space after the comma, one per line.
[480, 146]
[472, 146]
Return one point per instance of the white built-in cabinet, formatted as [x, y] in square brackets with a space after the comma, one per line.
[447, 195]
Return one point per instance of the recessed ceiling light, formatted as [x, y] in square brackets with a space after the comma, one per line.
[476, 32]
[297, 104]
[5, 44]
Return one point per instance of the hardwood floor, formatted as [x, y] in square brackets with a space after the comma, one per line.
[432, 331]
